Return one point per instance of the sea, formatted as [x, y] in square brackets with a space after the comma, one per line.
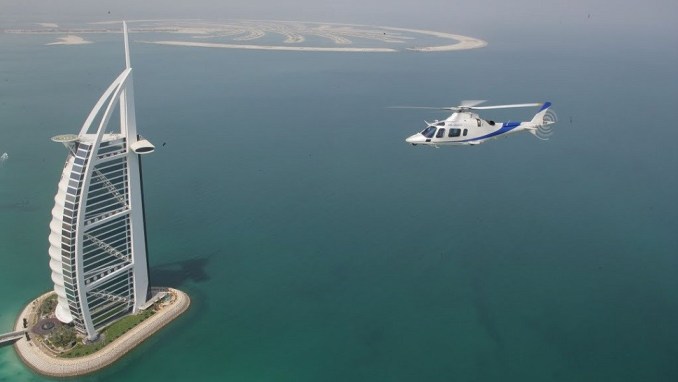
[316, 245]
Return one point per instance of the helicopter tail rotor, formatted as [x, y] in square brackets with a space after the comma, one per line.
[543, 129]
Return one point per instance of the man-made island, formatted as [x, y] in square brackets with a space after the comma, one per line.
[54, 349]
[271, 35]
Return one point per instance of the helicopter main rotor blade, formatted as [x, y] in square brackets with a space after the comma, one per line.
[469, 105]
[506, 106]
[418, 107]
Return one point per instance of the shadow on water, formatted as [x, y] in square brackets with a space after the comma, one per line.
[484, 310]
[486, 315]
[176, 273]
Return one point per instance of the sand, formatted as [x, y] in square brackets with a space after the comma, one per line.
[70, 40]
[294, 32]
[464, 42]
[254, 32]
[267, 47]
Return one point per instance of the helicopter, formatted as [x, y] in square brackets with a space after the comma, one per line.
[465, 127]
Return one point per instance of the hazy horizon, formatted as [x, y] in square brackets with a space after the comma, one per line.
[433, 14]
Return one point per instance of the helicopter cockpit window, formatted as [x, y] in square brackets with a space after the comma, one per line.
[454, 133]
[441, 133]
[428, 132]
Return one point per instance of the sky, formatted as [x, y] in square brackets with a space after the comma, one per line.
[655, 16]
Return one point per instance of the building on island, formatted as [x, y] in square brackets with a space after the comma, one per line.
[98, 241]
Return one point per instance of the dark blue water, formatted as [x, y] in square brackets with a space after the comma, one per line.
[317, 245]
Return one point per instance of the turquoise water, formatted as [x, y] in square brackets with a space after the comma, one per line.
[317, 245]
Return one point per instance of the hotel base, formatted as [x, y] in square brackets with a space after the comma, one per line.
[36, 355]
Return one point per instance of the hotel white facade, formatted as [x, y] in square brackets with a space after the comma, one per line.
[97, 241]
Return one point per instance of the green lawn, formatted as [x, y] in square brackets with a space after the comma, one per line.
[109, 335]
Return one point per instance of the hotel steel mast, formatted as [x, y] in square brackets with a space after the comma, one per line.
[98, 241]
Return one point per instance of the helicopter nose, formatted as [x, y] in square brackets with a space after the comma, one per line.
[414, 139]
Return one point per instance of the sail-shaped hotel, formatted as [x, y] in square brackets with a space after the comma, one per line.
[98, 241]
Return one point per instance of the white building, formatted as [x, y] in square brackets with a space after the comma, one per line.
[97, 240]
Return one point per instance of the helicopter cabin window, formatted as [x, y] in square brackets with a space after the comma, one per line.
[465, 132]
[428, 132]
[441, 133]
[478, 119]
[454, 133]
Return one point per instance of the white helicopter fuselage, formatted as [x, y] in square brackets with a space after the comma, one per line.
[467, 128]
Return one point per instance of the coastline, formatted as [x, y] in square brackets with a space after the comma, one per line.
[33, 356]
[267, 47]
[294, 32]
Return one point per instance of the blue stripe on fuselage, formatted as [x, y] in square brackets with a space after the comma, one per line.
[505, 128]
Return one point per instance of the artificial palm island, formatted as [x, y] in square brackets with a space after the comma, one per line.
[102, 304]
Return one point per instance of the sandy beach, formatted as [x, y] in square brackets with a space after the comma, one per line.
[464, 42]
[70, 40]
[267, 47]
